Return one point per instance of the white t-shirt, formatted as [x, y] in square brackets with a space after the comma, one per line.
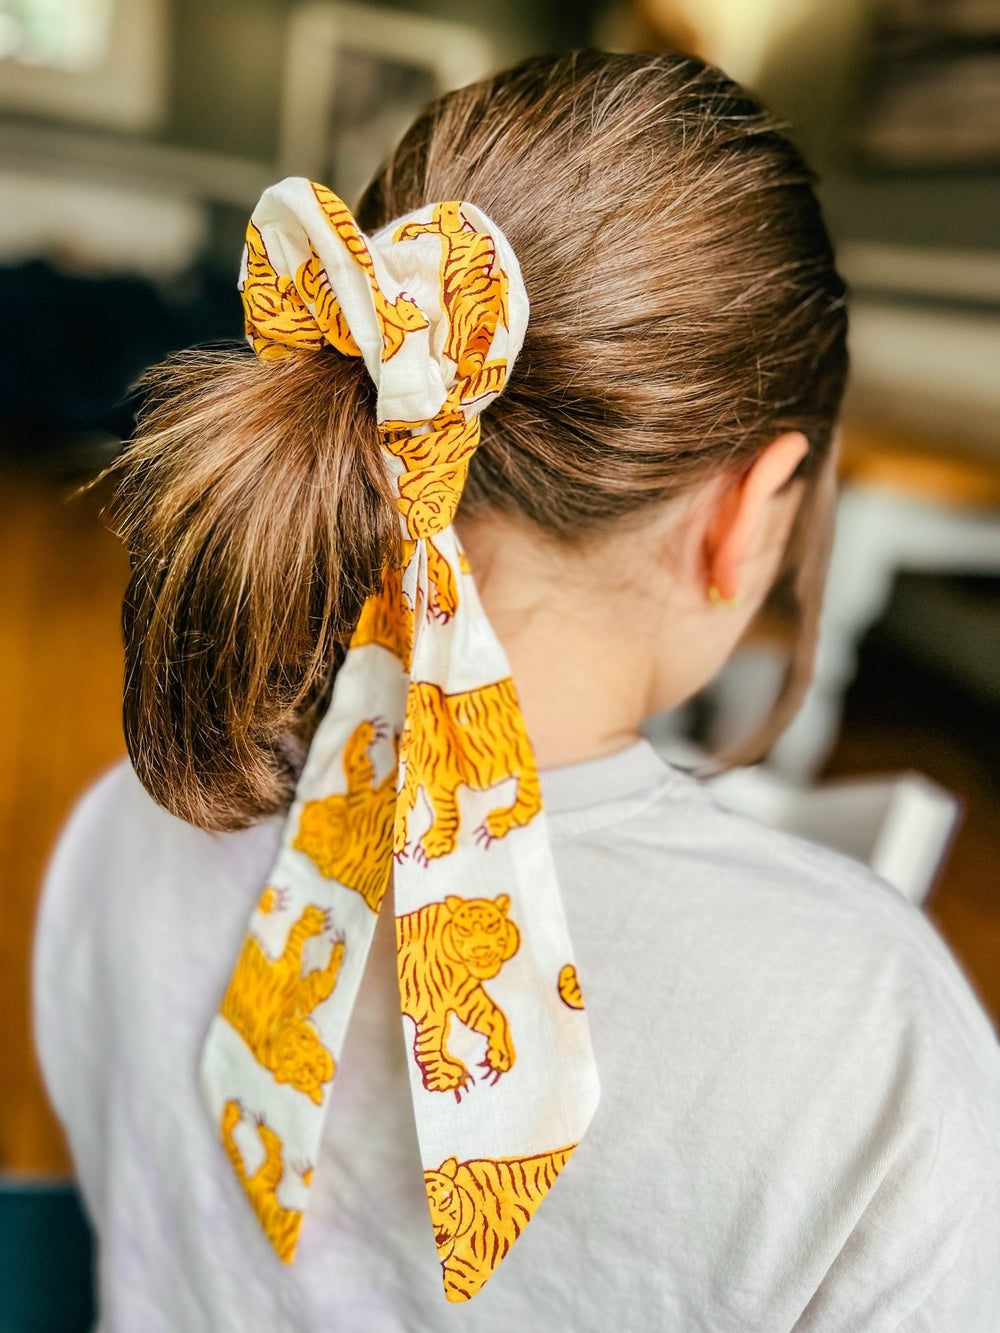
[799, 1125]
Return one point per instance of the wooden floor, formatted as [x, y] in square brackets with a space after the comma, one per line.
[61, 580]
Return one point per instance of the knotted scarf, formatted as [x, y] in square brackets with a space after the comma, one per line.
[420, 773]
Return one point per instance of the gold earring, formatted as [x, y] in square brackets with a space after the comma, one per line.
[717, 599]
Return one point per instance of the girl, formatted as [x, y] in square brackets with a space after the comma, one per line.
[754, 1080]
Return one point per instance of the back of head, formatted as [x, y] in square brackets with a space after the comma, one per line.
[684, 303]
[685, 309]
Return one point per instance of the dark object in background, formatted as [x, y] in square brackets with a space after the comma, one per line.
[71, 347]
[46, 1260]
[933, 99]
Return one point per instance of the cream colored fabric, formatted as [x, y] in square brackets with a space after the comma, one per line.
[799, 1124]
[422, 756]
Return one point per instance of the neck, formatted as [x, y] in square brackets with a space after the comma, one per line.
[583, 681]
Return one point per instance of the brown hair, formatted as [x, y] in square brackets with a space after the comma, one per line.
[685, 309]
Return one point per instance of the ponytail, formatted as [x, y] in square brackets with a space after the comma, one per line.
[254, 503]
[670, 341]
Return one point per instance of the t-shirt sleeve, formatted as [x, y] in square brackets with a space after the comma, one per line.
[916, 1193]
[922, 1252]
[925, 1252]
[966, 1297]
[72, 1044]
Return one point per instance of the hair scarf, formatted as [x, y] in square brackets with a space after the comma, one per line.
[420, 767]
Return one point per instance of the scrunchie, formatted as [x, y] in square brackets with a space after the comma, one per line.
[422, 757]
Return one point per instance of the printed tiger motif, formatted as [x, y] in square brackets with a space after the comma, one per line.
[272, 900]
[387, 619]
[273, 307]
[313, 283]
[445, 952]
[448, 446]
[429, 491]
[436, 464]
[281, 1225]
[348, 838]
[475, 738]
[442, 584]
[268, 1002]
[396, 318]
[474, 293]
[568, 985]
[480, 1207]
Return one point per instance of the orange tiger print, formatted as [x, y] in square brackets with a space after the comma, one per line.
[475, 738]
[387, 619]
[348, 837]
[268, 1002]
[445, 951]
[474, 294]
[568, 986]
[281, 1225]
[272, 305]
[480, 1207]
[396, 318]
[313, 283]
[272, 900]
[443, 596]
[436, 464]
[444, 449]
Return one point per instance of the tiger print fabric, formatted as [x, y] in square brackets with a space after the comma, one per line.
[479, 1208]
[420, 777]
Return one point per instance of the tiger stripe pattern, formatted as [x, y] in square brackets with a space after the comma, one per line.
[348, 838]
[268, 1001]
[474, 295]
[396, 318]
[277, 320]
[480, 1207]
[436, 464]
[313, 283]
[387, 619]
[281, 1225]
[475, 739]
[430, 679]
[445, 951]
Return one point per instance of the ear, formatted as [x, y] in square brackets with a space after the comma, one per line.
[453, 903]
[449, 1168]
[741, 515]
[503, 902]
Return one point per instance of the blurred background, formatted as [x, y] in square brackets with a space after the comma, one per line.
[135, 137]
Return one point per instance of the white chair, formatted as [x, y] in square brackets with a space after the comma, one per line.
[356, 75]
[880, 533]
[900, 825]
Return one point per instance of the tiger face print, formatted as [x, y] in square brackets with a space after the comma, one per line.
[436, 464]
[476, 739]
[348, 838]
[445, 952]
[281, 1225]
[479, 1208]
[268, 1002]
